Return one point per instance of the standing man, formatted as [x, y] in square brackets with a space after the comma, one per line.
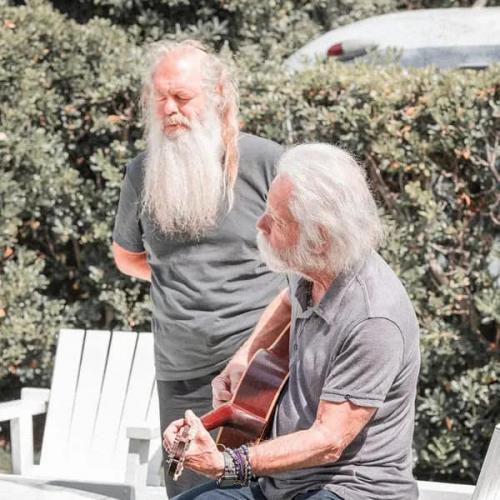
[343, 426]
[186, 223]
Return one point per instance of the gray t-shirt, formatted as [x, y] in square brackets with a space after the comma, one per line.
[207, 294]
[360, 343]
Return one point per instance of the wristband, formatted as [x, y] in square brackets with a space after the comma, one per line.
[229, 477]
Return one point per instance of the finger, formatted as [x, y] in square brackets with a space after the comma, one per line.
[223, 396]
[174, 427]
[235, 380]
[220, 384]
[171, 432]
[195, 425]
[191, 419]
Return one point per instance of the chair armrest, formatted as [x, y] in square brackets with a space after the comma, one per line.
[143, 438]
[20, 414]
[21, 408]
[430, 490]
[143, 431]
[35, 394]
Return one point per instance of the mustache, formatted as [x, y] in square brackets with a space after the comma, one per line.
[176, 120]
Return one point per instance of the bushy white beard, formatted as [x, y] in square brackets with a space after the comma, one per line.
[298, 259]
[280, 262]
[184, 184]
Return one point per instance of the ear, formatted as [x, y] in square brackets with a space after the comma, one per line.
[324, 246]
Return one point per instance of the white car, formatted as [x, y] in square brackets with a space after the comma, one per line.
[446, 38]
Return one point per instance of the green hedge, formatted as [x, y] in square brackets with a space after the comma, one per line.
[69, 124]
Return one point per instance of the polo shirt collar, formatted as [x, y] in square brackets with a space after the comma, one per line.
[332, 299]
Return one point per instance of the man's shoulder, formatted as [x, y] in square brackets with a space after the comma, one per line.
[381, 294]
[255, 148]
[380, 283]
[135, 170]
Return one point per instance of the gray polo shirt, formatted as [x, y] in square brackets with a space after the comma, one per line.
[207, 294]
[359, 344]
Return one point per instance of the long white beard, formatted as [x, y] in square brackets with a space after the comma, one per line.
[185, 184]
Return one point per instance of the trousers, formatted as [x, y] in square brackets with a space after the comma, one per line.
[209, 491]
[175, 398]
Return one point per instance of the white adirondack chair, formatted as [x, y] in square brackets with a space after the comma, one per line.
[488, 483]
[102, 433]
[102, 428]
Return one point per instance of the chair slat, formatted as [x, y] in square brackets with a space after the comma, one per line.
[88, 393]
[114, 390]
[138, 396]
[64, 381]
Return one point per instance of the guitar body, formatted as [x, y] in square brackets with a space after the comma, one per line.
[247, 417]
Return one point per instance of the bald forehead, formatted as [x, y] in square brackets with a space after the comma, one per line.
[183, 62]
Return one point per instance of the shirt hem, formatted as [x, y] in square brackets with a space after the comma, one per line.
[127, 246]
[175, 375]
[337, 397]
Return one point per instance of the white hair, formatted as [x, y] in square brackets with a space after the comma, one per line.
[330, 199]
[190, 176]
[184, 185]
[221, 87]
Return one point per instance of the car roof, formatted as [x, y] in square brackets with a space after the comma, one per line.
[414, 29]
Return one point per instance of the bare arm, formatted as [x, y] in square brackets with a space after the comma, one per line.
[133, 264]
[335, 427]
[272, 322]
[274, 319]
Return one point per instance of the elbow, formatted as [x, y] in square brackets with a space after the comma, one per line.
[332, 445]
[120, 260]
[332, 453]
[131, 263]
[120, 267]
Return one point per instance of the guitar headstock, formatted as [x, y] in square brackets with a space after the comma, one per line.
[177, 453]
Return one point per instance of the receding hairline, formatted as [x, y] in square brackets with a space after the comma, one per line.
[188, 52]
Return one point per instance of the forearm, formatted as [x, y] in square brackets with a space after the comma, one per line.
[274, 319]
[132, 263]
[308, 448]
[335, 427]
[139, 270]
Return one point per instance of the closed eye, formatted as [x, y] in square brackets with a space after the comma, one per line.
[184, 98]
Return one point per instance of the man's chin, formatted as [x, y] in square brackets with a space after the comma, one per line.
[175, 130]
[269, 257]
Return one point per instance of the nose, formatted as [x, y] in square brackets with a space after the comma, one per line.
[262, 224]
[170, 107]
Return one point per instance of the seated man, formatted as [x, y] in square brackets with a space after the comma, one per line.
[343, 426]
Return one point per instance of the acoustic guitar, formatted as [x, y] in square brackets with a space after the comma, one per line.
[248, 416]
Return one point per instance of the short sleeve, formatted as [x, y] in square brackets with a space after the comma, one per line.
[366, 365]
[273, 155]
[128, 230]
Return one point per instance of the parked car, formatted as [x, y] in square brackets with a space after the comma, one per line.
[446, 38]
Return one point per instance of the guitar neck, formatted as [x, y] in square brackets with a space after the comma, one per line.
[217, 417]
[230, 415]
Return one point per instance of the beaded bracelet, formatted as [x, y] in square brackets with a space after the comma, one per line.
[239, 464]
[239, 472]
[249, 471]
